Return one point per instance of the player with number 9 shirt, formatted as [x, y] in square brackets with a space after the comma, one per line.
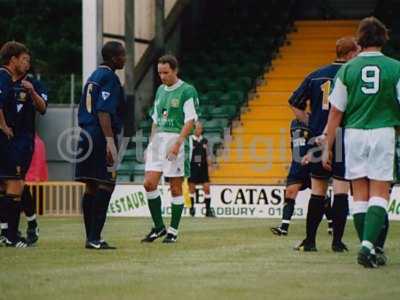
[365, 101]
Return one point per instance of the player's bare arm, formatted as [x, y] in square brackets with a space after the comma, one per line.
[4, 127]
[300, 114]
[38, 101]
[105, 123]
[185, 132]
[334, 119]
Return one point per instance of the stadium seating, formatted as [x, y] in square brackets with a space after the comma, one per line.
[258, 151]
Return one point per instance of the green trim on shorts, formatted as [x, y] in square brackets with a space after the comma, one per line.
[186, 164]
[396, 169]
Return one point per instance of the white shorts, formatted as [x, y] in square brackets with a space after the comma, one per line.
[370, 153]
[156, 155]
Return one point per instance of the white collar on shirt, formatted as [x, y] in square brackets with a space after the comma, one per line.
[370, 53]
[173, 87]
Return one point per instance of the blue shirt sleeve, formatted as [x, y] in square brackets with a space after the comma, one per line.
[301, 95]
[108, 96]
[41, 90]
[4, 91]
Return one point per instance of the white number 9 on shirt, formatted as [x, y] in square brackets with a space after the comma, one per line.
[370, 75]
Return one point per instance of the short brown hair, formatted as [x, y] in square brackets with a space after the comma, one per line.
[372, 33]
[345, 45]
[10, 49]
[169, 59]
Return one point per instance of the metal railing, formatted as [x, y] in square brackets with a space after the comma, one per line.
[57, 198]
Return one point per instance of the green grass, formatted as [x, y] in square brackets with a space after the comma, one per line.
[213, 259]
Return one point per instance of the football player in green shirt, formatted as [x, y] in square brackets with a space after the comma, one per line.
[365, 100]
[173, 117]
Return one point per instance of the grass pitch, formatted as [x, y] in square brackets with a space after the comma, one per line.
[213, 259]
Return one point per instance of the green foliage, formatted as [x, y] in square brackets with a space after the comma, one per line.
[51, 29]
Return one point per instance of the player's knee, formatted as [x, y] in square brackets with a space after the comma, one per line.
[107, 187]
[15, 187]
[206, 188]
[149, 186]
[192, 188]
[340, 186]
[176, 190]
[91, 188]
[291, 192]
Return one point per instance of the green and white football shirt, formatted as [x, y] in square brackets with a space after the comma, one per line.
[367, 90]
[174, 106]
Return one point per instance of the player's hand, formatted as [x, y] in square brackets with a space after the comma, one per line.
[27, 86]
[174, 151]
[320, 140]
[327, 159]
[112, 152]
[8, 132]
[306, 159]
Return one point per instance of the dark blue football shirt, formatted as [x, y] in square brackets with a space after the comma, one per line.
[315, 88]
[103, 92]
[26, 111]
[7, 100]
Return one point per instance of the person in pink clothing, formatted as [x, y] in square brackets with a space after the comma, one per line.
[38, 169]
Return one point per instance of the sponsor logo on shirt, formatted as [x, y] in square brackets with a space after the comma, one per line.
[165, 114]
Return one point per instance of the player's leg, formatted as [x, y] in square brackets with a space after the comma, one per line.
[288, 209]
[381, 257]
[328, 213]
[3, 216]
[99, 215]
[151, 180]
[207, 200]
[340, 211]
[12, 198]
[177, 205]
[315, 208]
[315, 213]
[380, 170]
[375, 218]
[192, 192]
[25, 153]
[28, 206]
[88, 200]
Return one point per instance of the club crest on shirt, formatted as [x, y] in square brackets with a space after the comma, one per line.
[44, 96]
[105, 95]
[175, 103]
[22, 96]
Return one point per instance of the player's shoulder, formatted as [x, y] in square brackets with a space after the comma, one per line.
[5, 75]
[188, 87]
[327, 71]
[392, 61]
[102, 75]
